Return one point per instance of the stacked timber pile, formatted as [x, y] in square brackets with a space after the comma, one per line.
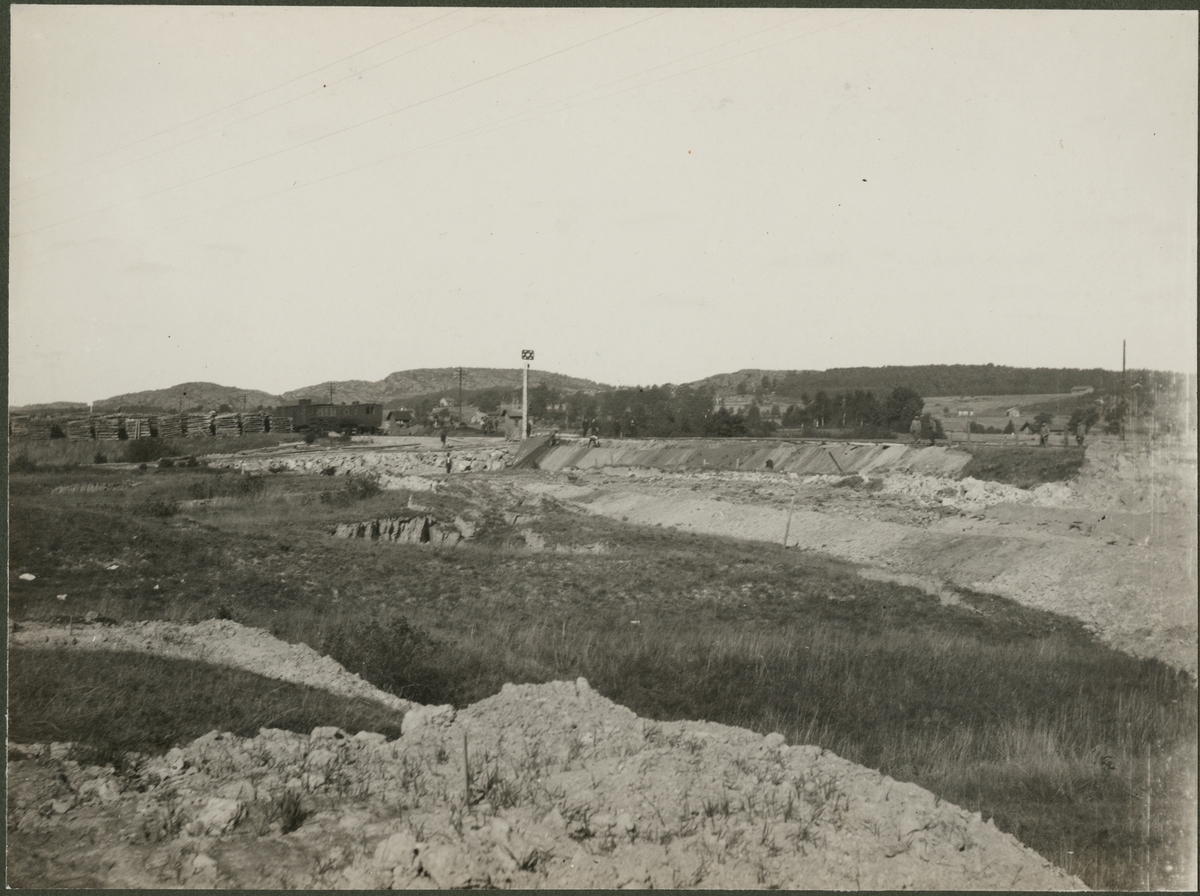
[253, 423]
[18, 426]
[172, 426]
[82, 429]
[227, 425]
[39, 429]
[279, 423]
[141, 427]
[108, 429]
[200, 425]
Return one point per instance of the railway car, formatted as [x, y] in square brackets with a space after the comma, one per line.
[356, 417]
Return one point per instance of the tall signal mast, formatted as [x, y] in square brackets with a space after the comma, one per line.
[526, 356]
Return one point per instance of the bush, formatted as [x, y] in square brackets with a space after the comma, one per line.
[21, 463]
[159, 507]
[393, 655]
[353, 490]
[146, 450]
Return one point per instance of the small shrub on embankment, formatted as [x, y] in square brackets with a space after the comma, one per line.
[1026, 467]
[1014, 712]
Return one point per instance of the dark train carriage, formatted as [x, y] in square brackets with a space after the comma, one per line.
[357, 417]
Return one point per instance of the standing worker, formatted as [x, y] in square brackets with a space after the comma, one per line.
[915, 429]
[1045, 434]
[443, 437]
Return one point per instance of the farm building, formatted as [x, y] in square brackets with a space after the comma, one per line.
[395, 420]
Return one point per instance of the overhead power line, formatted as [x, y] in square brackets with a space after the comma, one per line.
[240, 102]
[335, 132]
[515, 119]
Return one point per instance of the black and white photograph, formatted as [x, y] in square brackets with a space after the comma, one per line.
[602, 447]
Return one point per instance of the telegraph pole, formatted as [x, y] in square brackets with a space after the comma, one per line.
[460, 416]
[526, 356]
[1124, 396]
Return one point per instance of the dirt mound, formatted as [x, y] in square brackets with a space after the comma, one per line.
[539, 786]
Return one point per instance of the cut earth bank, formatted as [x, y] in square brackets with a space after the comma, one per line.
[1116, 548]
[566, 788]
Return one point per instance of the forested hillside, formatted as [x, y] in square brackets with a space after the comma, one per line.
[929, 379]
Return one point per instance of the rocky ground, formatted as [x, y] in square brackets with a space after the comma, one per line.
[555, 786]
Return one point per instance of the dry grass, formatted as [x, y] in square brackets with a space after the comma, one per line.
[1017, 713]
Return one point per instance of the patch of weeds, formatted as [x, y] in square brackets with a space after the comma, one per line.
[22, 463]
[354, 489]
[160, 508]
[286, 810]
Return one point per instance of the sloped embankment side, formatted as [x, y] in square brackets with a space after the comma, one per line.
[805, 458]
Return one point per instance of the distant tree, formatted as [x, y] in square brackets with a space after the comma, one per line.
[794, 417]
[725, 424]
[224, 409]
[1010, 428]
[901, 406]
[1088, 416]
[741, 388]
[1042, 418]
[1114, 417]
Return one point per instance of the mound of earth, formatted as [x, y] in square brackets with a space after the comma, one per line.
[539, 786]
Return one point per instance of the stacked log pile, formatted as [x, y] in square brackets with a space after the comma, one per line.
[108, 429]
[39, 429]
[172, 426]
[141, 427]
[200, 425]
[82, 429]
[227, 425]
[253, 423]
[18, 426]
[279, 423]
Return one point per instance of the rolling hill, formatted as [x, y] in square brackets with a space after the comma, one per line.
[405, 385]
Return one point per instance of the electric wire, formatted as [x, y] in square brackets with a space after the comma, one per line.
[493, 126]
[240, 102]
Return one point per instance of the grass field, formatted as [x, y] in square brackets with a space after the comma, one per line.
[1083, 753]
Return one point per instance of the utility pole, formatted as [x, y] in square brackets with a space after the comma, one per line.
[526, 356]
[1123, 395]
[460, 414]
[331, 392]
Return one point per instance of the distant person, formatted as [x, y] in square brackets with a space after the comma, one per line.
[443, 434]
[1080, 432]
[528, 429]
[1045, 434]
[554, 436]
[915, 429]
[449, 463]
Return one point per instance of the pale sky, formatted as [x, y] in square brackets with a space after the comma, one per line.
[271, 197]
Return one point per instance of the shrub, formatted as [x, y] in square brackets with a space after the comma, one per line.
[159, 507]
[353, 490]
[146, 450]
[21, 463]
